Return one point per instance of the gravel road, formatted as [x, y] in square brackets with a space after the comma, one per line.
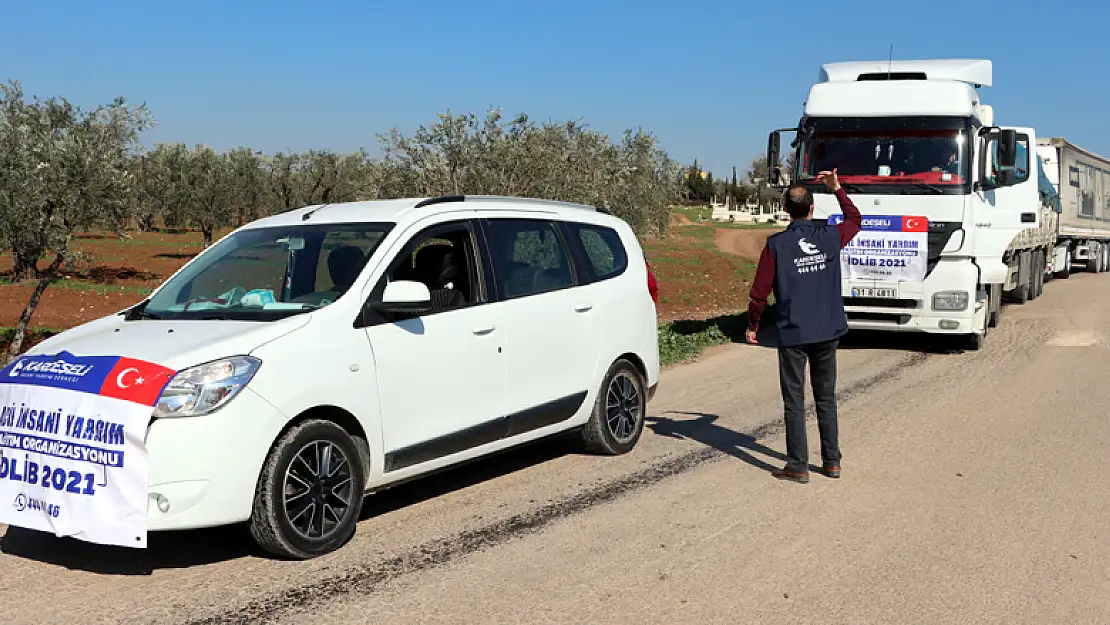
[969, 496]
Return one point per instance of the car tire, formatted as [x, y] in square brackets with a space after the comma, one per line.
[617, 420]
[300, 482]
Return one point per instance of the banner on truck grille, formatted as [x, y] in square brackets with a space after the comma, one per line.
[72, 455]
[890, 248]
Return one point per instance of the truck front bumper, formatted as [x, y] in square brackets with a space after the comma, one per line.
[912, 307]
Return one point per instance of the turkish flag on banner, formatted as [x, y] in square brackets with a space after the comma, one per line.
[915, 224]
[136, 381]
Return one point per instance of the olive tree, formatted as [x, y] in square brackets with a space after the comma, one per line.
[206, 190]
[632, 178]
[250, 187]
[63, 170]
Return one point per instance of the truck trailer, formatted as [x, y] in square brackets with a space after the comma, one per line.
[1081, 181]
[956, 216]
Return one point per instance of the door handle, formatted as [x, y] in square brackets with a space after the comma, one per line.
[484, 331]
[1028, 218]
[583, 308]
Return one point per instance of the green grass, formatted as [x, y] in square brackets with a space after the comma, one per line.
[683, 341]
[84, 286]
[755, 226]
[694, 213]
[34, 335]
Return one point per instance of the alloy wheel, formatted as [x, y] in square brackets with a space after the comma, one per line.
[622, 407]
[317, 490]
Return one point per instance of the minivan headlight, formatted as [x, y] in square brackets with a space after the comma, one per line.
[206, 388]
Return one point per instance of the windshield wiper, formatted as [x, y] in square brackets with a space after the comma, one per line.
[926, 186]
[847, 186]
[139, 312]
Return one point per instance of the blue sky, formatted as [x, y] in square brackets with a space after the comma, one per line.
[709, 79]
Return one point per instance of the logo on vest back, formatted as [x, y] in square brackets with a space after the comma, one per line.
[814, 259]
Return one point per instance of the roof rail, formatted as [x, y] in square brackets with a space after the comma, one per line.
[443, 199]
[531, 200]
[504, 198]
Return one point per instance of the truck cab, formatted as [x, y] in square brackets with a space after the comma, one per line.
[943, 191]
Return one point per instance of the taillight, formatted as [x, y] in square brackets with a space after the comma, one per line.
[653, 286]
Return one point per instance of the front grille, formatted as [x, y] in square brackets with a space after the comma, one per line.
[892, 318]
[882, 302]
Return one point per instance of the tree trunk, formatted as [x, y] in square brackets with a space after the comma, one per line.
[146, 223]
[23, 268]
[207, 232]
[16, 346]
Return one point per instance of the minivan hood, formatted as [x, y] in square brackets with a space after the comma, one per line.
[177, 344]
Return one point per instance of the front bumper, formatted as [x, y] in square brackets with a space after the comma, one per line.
[912, 309]
[207, 467]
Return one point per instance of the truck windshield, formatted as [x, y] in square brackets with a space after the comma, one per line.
[264, 274]
[902, 157]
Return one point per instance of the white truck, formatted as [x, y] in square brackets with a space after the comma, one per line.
[955, 218]
[1082, 234]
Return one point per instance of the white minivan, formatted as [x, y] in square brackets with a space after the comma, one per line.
[335, 350]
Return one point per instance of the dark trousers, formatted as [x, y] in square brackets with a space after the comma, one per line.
[792, 377]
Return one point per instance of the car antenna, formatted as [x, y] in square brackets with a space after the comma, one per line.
[305, 216]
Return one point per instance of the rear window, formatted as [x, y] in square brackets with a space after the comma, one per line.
[602, 247]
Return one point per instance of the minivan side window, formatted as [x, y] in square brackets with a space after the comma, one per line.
[602, 248]
[529, 256]
[445, 259]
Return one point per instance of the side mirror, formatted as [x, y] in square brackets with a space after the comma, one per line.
[1007, 148]
[405, 297]
[774, 153]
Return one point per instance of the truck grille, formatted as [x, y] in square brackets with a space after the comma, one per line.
[880, 302]
[890, 318]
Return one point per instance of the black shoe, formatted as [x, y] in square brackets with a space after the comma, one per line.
[801, 477]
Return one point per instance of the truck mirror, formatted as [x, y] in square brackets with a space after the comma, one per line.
[774, 152]
[1007, 148]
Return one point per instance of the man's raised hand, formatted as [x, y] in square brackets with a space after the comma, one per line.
[830, 179]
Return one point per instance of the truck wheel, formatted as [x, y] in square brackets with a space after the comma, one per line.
[1032, 290]
[973, 342]
[994, 306]
[1042, 262]
[1020, 294]
[1065, 270]
[1094, 259]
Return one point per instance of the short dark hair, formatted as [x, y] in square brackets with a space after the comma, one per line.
[797, 200]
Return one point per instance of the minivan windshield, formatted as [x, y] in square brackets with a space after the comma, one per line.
[263, 274]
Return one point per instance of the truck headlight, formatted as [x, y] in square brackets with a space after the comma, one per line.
[950, 300]
[206, 388]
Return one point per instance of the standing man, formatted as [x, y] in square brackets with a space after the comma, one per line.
[802, 265]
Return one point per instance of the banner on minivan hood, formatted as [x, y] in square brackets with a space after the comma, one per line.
[72, 455]
[891, 248]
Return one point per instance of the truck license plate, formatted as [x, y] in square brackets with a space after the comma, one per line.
[874, 292]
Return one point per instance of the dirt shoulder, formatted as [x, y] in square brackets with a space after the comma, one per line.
[746, 243]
